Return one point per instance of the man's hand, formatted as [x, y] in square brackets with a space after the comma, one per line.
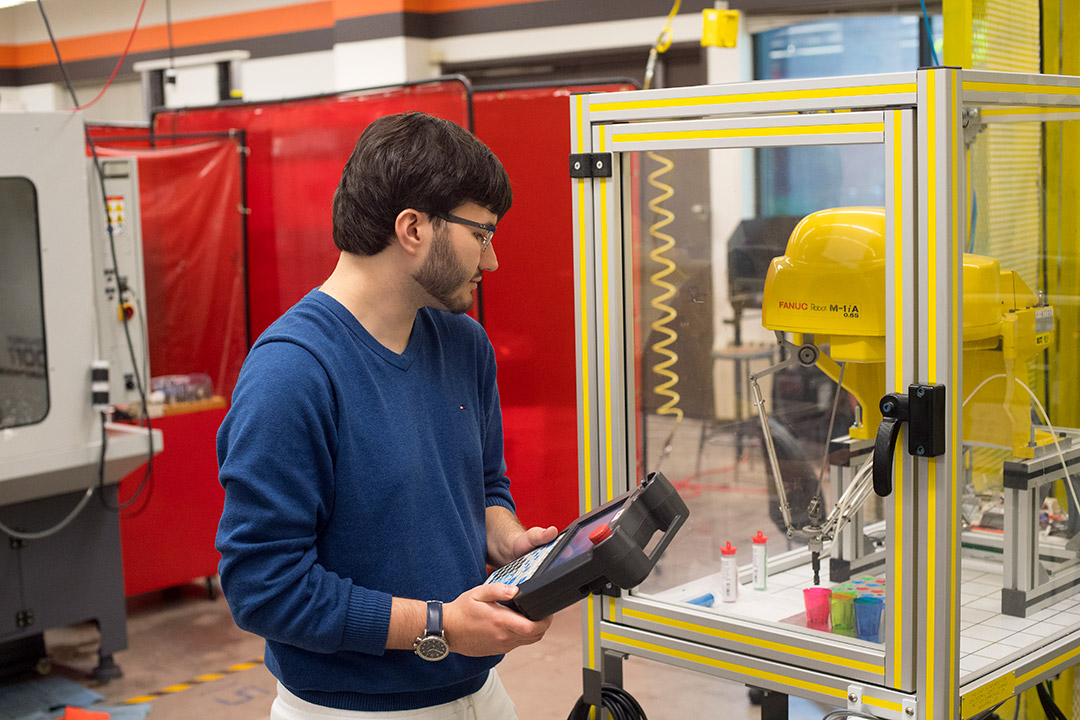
[533, 538]
[508, 540]
[476, 624]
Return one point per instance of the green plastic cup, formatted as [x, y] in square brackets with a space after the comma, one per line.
[842, 607]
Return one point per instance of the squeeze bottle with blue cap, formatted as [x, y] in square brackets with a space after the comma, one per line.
[761, 555]
[729, 574]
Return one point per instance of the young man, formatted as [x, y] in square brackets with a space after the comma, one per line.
[362, 460]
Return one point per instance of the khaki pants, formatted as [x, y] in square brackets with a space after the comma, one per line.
[488, 703]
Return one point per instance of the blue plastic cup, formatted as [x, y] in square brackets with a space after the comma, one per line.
[868, 611]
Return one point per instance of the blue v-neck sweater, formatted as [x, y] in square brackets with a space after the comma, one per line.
[353, 474]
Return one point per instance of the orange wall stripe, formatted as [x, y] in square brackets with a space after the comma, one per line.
[222, 28]
[317, 15]
[363, 8]
[440, 6]
[259, 23]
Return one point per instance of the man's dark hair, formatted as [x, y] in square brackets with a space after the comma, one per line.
[412, 160]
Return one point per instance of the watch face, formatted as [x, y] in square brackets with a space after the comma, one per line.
[432, 647]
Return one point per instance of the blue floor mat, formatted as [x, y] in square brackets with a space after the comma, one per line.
[46, 698]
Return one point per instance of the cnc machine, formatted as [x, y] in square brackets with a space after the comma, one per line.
[72, 347]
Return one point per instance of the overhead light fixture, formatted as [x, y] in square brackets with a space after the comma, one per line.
[10, 3]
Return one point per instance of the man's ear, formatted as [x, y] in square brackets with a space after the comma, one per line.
[409, 230]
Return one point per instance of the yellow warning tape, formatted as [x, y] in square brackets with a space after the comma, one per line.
[208, 677]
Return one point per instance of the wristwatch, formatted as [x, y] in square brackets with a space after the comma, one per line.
[432, 644]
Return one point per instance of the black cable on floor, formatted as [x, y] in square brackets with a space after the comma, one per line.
[620, 704]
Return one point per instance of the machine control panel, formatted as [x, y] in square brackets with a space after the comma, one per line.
[118, 268]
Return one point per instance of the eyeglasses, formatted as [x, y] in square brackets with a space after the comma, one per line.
[485, 239]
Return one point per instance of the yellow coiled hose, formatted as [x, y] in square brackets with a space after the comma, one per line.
[660, 326]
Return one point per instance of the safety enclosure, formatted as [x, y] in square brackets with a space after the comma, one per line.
[840, 315]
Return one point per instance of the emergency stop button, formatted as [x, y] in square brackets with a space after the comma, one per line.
[600, 534]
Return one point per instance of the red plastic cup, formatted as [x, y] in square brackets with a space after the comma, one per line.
[816, 600]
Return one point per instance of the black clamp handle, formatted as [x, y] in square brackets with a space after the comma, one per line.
[923, 408]
[894, 410]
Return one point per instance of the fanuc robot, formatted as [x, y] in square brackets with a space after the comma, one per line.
[828, 292]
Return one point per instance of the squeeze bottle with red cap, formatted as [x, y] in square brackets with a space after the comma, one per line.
[729, 574]
[761, 556]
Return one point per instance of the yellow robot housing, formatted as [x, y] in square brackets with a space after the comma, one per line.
[830, 283]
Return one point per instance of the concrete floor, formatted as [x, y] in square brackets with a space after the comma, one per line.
[180, 634]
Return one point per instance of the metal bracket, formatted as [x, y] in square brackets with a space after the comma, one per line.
[16, 543]
[854, 698]
[926, 421]
[24, 618]
[590, 165]
[911, 708]
[973, 125]
[608, 589]
[592, 681]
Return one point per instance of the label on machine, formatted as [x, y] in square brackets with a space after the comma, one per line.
[611, 547]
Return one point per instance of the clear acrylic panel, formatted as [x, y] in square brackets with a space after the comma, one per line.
[24, 384]
[713, 297]
[1020, 571]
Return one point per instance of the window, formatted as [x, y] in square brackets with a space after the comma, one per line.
[24, 381]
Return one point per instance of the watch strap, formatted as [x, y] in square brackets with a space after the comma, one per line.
[434, 618]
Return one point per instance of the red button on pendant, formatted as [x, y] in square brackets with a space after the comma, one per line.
[600, 534]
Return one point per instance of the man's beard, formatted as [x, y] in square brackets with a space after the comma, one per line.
[443, 276]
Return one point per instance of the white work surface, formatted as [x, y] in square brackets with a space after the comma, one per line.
[986, 636]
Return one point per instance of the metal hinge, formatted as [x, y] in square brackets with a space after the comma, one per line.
[24, 618]
[590, 165]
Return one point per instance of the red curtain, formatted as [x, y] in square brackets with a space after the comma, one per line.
[296, 151]
[192, 227]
